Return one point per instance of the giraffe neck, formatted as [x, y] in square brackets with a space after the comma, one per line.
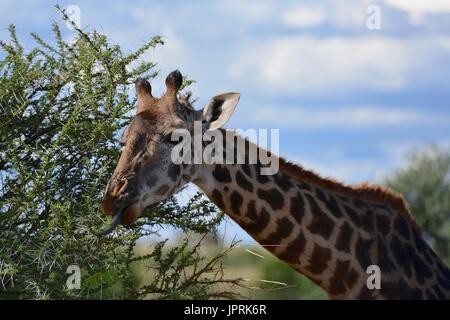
[329, 236]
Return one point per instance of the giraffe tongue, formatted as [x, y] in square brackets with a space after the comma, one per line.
[115, 221]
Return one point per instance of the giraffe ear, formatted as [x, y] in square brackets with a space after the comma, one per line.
[219, 110]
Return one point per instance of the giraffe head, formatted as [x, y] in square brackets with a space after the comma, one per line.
[145, 173]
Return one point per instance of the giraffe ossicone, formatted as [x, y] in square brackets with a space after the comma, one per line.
[329, 231]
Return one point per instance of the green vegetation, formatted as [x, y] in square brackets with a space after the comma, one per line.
[62, 106]
[267, 277]
[425, 183]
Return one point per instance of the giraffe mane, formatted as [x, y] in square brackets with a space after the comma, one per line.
[374, 193]
[370, 192]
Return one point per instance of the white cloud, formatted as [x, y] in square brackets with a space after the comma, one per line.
[393, 155]
[350, 13]
[349, 117]
[421, 6]
[304, 17]
[443, 43]
[254, 10]
[418, 9]
[398, 150]
[314, 64]
[341, 14]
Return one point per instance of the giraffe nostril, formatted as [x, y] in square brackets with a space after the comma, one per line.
[107, 207]
[112, 194]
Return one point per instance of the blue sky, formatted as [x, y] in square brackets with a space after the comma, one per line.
[349, 101]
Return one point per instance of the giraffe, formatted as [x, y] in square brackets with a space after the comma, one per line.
[326, 230]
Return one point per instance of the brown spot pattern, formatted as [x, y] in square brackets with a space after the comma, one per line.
[294, 249]
[236, 201]
[243, 182]
[259, 223]
[174, 171]
[297, 207]
[344, 278]
[344, 238]
[282, 181]
[222, 174]
[318, 260]
[321, 223]
[273, 197]
[218, 199]
[162, 190]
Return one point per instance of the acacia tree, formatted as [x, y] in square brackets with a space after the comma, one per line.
[425, 183]
[62, 106]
